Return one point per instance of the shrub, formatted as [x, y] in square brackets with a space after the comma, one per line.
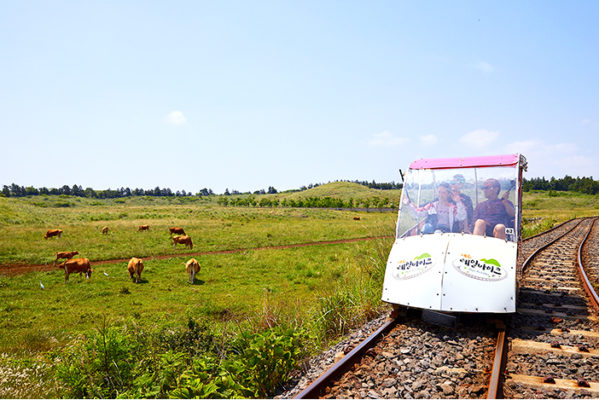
[258, 363]
[99, 366]
[112, 362]
[195, 339]
[535, 228]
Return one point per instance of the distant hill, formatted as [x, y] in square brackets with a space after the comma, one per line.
[343, 191]
[330, 195]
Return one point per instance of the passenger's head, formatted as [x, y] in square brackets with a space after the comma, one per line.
[457, 182]
[444, 190]
[491, 188]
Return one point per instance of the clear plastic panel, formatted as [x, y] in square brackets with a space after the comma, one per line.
[478, 201]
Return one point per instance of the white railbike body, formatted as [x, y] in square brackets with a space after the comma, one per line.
[443, 266]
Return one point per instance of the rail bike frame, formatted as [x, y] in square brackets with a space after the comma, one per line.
[455, 270]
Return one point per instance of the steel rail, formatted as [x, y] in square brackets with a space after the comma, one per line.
[543, 247]
[495, 386]
[496, 380]
[318, 387]
[588, 287]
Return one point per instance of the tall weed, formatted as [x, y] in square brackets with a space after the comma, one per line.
[101, 365]
[534, 226]
[349, 306]
[113, 362]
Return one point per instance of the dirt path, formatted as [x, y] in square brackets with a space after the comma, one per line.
[19, 269]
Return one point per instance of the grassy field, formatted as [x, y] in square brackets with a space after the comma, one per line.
[232, 287]
[344, 191]
[211, 227]
[326, 289]
[323, 290]
[559, 205]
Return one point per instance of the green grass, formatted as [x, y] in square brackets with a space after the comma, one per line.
[211, 227]
[230, 287]
[560, 205]
[344, 191]
[327, 289]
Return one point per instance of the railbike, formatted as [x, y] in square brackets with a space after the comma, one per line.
[457, 235]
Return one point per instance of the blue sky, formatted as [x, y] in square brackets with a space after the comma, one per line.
[250, 94]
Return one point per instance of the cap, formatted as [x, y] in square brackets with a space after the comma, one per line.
[458, 178]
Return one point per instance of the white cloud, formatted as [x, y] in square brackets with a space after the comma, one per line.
[479, 139]
[580, 163]
[484, 67]
[385, 138]
[563, 148]
[523, 147]
[553, 159]
[429, 140]
[542, 150]
[586, 122]
[176, 118]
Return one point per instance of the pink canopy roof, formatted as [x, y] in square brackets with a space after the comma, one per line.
[466, 162]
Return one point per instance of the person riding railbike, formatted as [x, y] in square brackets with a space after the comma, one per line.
[495, 214]
[457, 184]
[444, 214]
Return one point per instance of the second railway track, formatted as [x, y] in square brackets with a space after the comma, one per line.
[554, 336]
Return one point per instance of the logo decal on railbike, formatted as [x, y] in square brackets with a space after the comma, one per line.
[482, 269]
[410, 269]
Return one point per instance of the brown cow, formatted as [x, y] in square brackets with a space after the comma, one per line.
[143, 228]
[135, 266]
[356, 218]
[186, 240]
[192, 267]
[65, 254]
[105, 230]
[176, 230]
[75, 265]
[53, 232]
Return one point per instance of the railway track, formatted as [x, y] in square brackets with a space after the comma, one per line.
[418, 360]
[408, 358]
[553, 339]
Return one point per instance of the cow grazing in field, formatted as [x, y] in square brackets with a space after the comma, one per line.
[75, 265]
[186, 240]
[143, 228]
[53, 232]
[65, 254]
[356, 218]
[193, 268]
[176, 230]
[105, 230]
[135, 266]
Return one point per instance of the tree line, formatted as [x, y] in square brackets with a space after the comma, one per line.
[581, 185]
[15, 190]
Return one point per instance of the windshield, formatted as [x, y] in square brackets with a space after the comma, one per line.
[480, 201]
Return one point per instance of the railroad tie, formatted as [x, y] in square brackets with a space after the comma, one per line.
[566, 384]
